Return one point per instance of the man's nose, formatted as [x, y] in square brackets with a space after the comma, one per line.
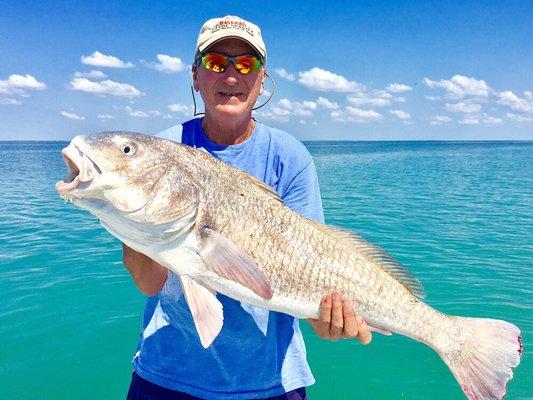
[231, 75]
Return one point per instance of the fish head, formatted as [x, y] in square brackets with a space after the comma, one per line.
[127, 174]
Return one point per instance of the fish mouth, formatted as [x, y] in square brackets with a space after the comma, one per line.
[81, 170]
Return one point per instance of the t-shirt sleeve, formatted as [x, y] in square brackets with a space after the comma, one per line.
[172, 133]
[303, 194]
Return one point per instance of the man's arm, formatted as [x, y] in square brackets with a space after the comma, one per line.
[148, 275]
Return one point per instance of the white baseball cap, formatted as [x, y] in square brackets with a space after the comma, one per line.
[227, 27]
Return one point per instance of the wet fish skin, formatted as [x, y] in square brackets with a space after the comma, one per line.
[221, 230]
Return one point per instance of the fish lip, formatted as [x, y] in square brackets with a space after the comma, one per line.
[81, 170]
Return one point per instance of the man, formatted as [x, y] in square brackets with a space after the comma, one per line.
[258, 354]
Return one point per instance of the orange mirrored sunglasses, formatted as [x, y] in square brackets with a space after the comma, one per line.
[218, 62]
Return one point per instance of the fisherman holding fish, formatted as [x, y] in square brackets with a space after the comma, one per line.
[240, 244]
[258, 354]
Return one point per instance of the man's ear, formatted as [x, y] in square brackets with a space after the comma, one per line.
[195, 78]
[263, 82]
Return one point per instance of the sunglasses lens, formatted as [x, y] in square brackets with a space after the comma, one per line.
[247, 64]
[215, 62]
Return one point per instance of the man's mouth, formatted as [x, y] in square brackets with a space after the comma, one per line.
[230, 94]
[81, 169]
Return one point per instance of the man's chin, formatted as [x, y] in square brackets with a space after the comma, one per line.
[231, 110]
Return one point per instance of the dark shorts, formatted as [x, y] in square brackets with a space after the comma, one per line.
[141, 389]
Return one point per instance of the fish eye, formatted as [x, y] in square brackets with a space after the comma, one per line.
[129, 149]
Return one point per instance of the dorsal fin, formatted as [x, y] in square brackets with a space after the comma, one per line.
[378, 256]
[261, 185]
[265, 188]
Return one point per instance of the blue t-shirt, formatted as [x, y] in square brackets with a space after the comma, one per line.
[258, 353]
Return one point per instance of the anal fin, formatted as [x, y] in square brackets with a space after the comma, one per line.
[379, 330]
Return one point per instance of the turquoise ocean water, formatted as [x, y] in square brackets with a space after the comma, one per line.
[458, 214]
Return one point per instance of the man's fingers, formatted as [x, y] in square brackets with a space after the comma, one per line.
[350, 329]
[364, 334]
[324, 319]
[337, 319]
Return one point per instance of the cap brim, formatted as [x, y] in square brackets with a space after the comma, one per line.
[219, 38]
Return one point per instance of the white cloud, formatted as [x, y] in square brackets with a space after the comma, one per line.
[469, 121]
[357, 115]
[460, 86]
[106, 87]
[463, 107]
[104, 117]
[285, 108]
[265, 93]
[167, 64]
[519, 117]
[280, 112]
[9, 102]
[370, 101]
[440, 120]
[91, 75]
[354, 114]
[274, 113]
[134, 113]
[319, 79]
[284, 74]
[488, 120]
[400, 114]
[309, 105]
[398, 88]
[303, 109]
[337, 116]
[323, 102]
[181, 108]
[18, 84]
[432, 98]
[98, 59]
[399, 99]
[509, 99]
[72, 116]
[305, 105]
[376, 98]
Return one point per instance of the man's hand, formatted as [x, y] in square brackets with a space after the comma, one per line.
[337, 319]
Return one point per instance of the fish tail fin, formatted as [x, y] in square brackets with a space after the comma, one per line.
[482, 362]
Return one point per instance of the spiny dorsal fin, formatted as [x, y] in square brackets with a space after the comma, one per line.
[260, 185]
[240, 174]
[265, 188]
[380, 257]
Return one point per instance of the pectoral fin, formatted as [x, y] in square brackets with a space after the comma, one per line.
[225, 258]
[205, 308]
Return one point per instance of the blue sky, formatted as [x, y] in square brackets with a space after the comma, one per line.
[343, 70]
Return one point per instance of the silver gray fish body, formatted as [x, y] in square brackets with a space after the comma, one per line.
[221, 230]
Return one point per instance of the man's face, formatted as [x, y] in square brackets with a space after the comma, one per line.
[229, 94]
